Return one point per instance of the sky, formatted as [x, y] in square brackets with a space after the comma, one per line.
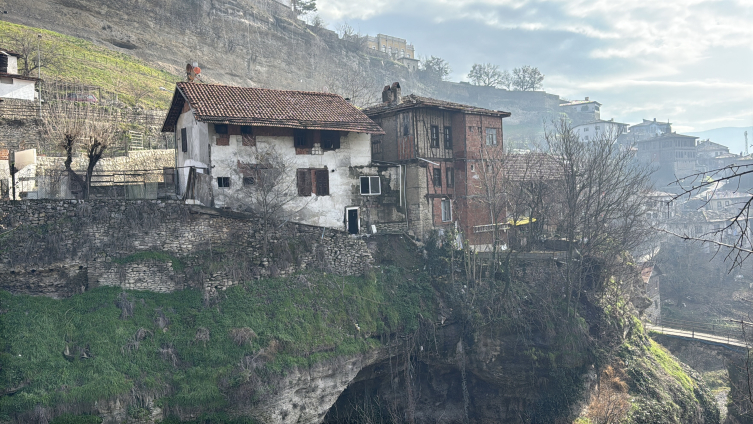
[686, 61]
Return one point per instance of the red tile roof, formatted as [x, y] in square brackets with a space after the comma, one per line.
[224, 104]
[413, 101]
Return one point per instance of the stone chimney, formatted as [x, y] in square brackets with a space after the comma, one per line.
[586, 98]
[386, 94]
[391, 94]
[397, 97]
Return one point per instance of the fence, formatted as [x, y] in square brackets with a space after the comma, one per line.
[724, 331]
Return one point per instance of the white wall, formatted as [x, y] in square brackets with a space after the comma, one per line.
[325, 211]
[12, 64]
[198, 140]
[19, 89]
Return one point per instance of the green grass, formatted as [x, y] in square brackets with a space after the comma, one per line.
[89, 64]
[296, 322]
[671, 366]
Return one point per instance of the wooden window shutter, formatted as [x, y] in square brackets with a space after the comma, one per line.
[183, 140]
[322, 182]
[304, 182]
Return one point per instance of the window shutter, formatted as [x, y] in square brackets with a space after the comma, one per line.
[304, 182]
[183, 140]
[322, 182]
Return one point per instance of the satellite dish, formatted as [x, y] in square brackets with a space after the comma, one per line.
[197, 70]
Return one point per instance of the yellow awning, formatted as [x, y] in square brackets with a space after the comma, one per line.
[521, 221]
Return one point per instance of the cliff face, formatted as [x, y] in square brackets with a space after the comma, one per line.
[262, 43]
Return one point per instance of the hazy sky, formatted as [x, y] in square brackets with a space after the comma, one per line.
[687, 61]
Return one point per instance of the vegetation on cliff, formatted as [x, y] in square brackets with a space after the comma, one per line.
[82, 62]
[190, 352]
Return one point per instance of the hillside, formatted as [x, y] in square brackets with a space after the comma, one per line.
[261, 43]
[80, 62]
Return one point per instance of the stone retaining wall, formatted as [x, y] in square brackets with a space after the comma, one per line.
[58, 248]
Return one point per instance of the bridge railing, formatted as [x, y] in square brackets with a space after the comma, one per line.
[724, 330]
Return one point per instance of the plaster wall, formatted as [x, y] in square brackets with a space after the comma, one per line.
[198, 147]
[597, 129]
[18, 89]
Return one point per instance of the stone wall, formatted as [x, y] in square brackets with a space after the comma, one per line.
[58, 248]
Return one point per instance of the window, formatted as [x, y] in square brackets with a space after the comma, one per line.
[446, 210]
[586, 138]
[247, 136]
[406, 128]
[322, 182]
[718, 205]
[449, 177]
[585, 129]
[223, 182]
[726, 203]
[470, 129]
[300, 140]
[584, 109]
[437, 177]
[249, 181]
[370, 186]
[304, 182]
[448, 138]
[3, 63]
[491, 136]
[330, 140]
[313, 181]
[183, 140]
[434, 136]
[597, 128]
[220, 128]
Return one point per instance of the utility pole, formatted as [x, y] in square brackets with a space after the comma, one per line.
[39, 73]
[746, 143]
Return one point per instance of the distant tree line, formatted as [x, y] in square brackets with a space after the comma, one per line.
[525, 78]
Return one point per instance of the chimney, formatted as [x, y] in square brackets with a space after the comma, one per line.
[654, 119]
[586, 98]
[386, 94]
[397, 97]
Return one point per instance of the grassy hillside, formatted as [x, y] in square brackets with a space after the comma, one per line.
[189, 351]
[82, 62]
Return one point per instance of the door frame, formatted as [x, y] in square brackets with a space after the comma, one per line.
[347, 220]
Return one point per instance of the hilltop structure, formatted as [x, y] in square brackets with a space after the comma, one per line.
[12, 84]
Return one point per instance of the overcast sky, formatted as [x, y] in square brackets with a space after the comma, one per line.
[687, 61]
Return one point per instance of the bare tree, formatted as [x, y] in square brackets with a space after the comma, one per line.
[527, 78]
[36, 52]
[602, 209]
[356, 85]
[80, 128]
[269, 189]
[486, 75]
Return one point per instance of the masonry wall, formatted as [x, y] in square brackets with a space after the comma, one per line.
[58, 248]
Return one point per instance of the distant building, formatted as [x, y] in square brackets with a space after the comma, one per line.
[398, 48]
[674, 155]
[595, 129]
[582, 111]
[13, 85]
[648, 129]
[709, 149]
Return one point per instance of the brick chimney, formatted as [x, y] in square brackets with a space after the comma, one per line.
[386, 94]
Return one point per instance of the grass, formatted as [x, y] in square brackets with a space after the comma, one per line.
[297, 321]
[84, 62]
[671, 366]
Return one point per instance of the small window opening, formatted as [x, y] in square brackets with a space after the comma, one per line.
[249, 181]
[434, 136]
[437, 177]
[220, 128]
[491, 136]
[183, 140]
[450, 177]
[300, 139]
[223, 182]
[446, 210]
[371, 186]
[330, 140]
[448, 138]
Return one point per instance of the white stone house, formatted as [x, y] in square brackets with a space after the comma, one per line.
[13, 85]
[600, 128]
[220, 131]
